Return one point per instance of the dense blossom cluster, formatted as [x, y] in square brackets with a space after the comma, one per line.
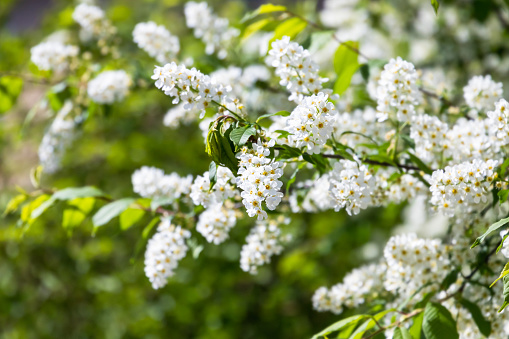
[264, 241]
[482, 92]
[53, 55]
[216, 222]
[196, 90]
[462, 187]
[156, 40]
[109, 87]
[499, 121]
[311, 123]
[258, 179]
[469, 140]
[351, 186]
[164, 250]
[223, 188]
[430, 136]
[214, 31]
[298, 72]
[57, 139]
[151, 182]
[92, 21]
[397, 91]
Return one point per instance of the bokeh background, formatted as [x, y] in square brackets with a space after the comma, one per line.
[66, 283]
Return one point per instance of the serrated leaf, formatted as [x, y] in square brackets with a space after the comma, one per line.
[438, 322]
[239, 136]
[345, 64]
[340, 325]
[483, 325]
[110, 211]
[281, 113]
[490, 230]
[290, 27]
[129, 217]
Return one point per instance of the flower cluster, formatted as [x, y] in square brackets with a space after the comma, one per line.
[151, 182]
[164, 250]
[351, 186]
[92, 20]
[311, 123]
[317, 198]
[178, 115]
[264, 241]
[216, 222]
[298, 72]
[413, 262]
[358, 286]
[406, 188]
[482, 92]
[469, 140]
[430, 136]
[53, 56]
[223, 188]
[58, 138]
[463, 186]
[397, 90]
[156, 40]
[212, 30]
[196, 90]
[109, 87]
[499, 121]
[258, 179]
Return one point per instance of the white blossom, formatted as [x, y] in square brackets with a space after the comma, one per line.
[223, 188]
[156, 40]
[482, 92]
[151, 182]
[430, 136]
[109, 87]
[216, 222]
[53, 56]
[92, 20]
[498, 120]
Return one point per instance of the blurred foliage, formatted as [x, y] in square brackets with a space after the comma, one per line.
[64, 283]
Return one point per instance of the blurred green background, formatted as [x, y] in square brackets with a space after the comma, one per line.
[57, 283]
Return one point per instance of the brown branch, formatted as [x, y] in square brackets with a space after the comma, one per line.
[395, 324]
[373, 162]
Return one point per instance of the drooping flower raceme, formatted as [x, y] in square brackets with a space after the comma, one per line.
[468, 140]
[461, 187]
[499, 121]
[151, 182]
[311, 123]
[92, 20]
[156, 40]
[196, 90]
[264, 241]
[53, 56]
[109, 87]
[397, 90]
[58, 138]
[216, 222]
[164, 250]
[298, 72]
[482, 92]
[258, 179]
[429, 134]
[223, 188]
[212, 30]
[351, 186]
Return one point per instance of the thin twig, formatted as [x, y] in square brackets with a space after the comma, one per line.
[373, 162]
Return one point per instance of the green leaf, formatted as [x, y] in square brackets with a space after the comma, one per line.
[14, 203]
[319, 40]
[415, 329]
[506, 293]
[156, 203]
[340, 325]
[502, 242]
[364, 68]
[72, 217]
[419, 163]
[263, 9]
[282, 133]
[11, 85]
[256, 26]
[212, 174]
[290, 27]
[287, 152]
[111, 210]
[35, 176]
[438, 322]
[293, 177]
[27, 212]
[503, 167]
[149, 227]
[449, 279]
[318, 161]
[490, 230]
[239, 136]
[77, 192]
[129, 217]
[483, 325]
[282, 113]
[505, 271]
[405, 303]
[369, 324]
[345, 64]
[435, 5]
[220, 148]
[401, 333]
[502, 195]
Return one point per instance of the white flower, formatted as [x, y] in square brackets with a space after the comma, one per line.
[311, 123]
[482, 92]
[397, 90]
[58, 138]
[109, 87]
[164, 250]
[156, 41]
[212, 30]
[351, 186]
[216, 222]
[468, 140]
[429, 134]
[258, 179]
[264, 241]
[178, 115]
[53, 56]
[92, 20]
[223, 188]
[151, 182]
[298, 72]
[499, 121]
